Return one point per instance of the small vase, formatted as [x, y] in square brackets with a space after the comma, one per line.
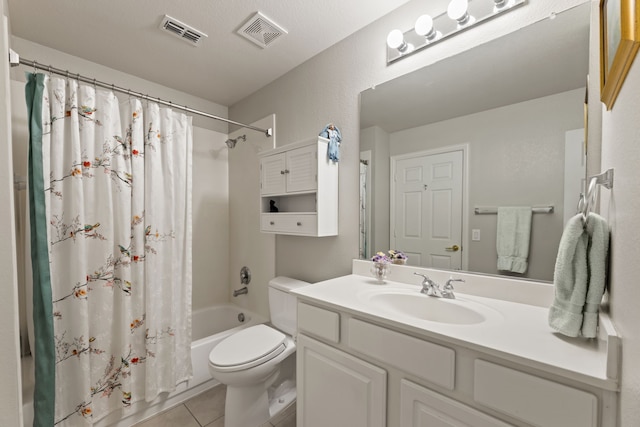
[399, 261]
[380, 270]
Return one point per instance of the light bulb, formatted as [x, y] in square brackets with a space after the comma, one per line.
[424, 27]
[457, 10]
[395, 40]
[500, 5]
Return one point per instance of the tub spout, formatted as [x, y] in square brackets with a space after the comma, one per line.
[241, 291]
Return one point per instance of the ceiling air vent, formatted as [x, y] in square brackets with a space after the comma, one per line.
[260, 30]
[182, 30]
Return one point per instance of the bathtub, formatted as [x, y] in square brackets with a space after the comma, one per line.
[209, 326]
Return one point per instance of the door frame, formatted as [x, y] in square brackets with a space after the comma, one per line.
[465, 191]
[367, 156]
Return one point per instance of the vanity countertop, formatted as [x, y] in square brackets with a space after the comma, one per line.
[512, 330]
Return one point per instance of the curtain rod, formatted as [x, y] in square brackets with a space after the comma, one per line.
[15, 60]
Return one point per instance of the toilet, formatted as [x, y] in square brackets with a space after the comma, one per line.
[257, 364]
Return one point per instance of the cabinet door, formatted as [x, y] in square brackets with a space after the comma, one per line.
[272, 175]
[302, 169]
[421, 407]
[337, 389]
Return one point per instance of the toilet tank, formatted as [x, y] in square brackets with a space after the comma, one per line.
[283, 304]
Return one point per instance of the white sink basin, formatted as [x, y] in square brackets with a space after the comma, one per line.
[423, 307]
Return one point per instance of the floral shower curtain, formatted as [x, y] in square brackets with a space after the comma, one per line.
[110, 202]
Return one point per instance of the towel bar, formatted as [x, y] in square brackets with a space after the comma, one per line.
[485, 210]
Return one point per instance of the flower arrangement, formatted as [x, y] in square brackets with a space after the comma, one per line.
[397, 257]
[381, 258]
[380, 267]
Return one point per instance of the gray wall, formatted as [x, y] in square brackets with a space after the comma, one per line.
[621, 205]
[326, 89]
[10, 392]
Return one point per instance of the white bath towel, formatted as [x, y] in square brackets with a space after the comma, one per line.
[512, 239]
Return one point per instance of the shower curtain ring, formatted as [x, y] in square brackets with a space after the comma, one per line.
[67, 74]
[35, 67]
[49, 69]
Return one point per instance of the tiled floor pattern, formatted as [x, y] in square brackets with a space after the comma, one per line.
[207, 410]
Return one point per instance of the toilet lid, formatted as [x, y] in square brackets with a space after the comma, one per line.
[253, 345]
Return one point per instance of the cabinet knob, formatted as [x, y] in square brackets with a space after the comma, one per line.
[272, 223]
[299, 223]
[282, 172]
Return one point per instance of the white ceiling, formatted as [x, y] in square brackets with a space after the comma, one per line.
[547, 57]
[124, 35]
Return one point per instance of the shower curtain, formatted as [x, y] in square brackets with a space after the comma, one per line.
[110, 213]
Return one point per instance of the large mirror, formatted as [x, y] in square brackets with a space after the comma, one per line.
[499, 125]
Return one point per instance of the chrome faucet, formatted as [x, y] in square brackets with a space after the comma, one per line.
[241, 291]
[447, 291]
[429, 287]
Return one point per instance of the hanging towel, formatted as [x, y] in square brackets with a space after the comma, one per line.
[512, 240]
[332, 133]
[579, 276]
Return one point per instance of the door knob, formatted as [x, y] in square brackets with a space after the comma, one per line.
[453, 248]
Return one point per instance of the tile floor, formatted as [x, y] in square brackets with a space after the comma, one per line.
[207, 409]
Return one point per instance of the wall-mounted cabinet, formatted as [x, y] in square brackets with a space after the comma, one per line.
[301, 183]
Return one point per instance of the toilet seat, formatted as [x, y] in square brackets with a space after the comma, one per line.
[247, 348]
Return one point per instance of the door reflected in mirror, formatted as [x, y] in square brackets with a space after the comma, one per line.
[498, 125]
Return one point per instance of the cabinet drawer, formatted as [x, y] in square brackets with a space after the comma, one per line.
[532, 399]
[319, 322]
[290, 223]
[423, 359]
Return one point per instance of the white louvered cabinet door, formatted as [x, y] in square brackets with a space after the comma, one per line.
[272, 174]
[302, 169]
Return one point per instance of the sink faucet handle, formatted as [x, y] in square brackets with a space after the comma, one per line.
[449, 285]
[429, 287]
[426, 278]
[426, 281]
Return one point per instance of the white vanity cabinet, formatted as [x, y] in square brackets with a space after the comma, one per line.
[338, 389]
[421, 407]
[302, 183]
[346, 360]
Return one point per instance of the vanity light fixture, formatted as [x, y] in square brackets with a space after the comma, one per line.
[459, 16]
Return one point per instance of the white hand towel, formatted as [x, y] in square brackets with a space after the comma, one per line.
[598, 231]
[512, 239]
[580, 276]
[570, 279]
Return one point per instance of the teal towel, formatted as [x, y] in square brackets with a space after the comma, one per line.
[512, 238]
[579, 277]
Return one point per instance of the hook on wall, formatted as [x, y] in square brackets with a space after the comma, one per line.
[588, 200]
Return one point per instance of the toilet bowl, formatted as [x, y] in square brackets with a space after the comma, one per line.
[250, 362]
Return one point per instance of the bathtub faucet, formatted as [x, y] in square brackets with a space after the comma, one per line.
[241, 291]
